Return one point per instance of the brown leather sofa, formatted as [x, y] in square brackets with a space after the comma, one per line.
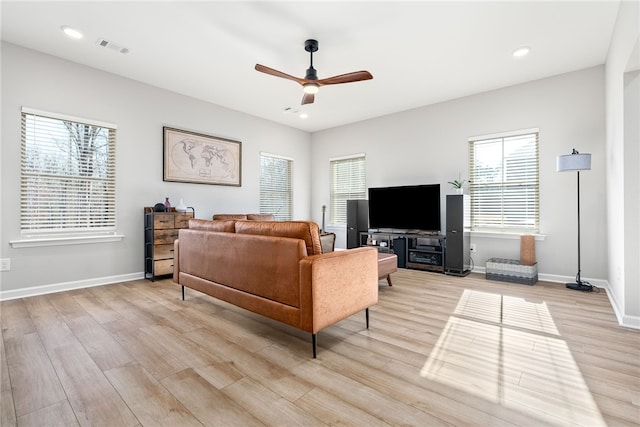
[277, 269]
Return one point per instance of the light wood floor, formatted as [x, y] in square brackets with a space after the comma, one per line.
[440, 350]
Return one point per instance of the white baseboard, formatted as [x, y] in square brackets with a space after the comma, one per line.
[627, 321]
[623, 320]
[67, 286]
[599, 283]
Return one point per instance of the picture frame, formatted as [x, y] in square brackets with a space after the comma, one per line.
[201, 159]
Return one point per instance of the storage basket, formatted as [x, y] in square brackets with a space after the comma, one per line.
[510, 270]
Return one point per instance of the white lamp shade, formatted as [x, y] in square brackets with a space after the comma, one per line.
[573, 162]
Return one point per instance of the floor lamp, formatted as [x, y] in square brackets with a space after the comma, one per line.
[569, 163]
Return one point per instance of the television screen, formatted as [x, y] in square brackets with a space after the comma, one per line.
[410, 208]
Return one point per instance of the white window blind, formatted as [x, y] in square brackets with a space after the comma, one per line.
[276, 192]
[68, 175]
[347, 183]
[503, 182]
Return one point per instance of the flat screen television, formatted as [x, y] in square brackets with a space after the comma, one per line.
[407, 208]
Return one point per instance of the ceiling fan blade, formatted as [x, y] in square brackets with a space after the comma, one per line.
[356, 76]
[308, 98]
[272, 72]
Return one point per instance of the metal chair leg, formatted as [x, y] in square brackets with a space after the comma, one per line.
[313, 343]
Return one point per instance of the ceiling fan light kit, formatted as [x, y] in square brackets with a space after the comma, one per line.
[310, 88]
[310, 83]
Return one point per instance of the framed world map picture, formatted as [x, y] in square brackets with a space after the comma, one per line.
[202, 159]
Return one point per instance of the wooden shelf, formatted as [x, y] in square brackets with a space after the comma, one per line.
[160, 231]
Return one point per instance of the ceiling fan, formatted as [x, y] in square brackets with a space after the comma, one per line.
[310, 83]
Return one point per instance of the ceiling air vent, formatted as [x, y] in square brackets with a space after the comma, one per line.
[111, 45]
[289, 110]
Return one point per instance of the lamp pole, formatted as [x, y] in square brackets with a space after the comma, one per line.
[578, 280]
[576, 162]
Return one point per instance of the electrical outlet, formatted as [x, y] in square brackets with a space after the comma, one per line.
[472, 247]
[5, 264]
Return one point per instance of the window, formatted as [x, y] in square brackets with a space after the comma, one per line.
[68, 176]
[347, 183]
[276, 193]
[503, 182]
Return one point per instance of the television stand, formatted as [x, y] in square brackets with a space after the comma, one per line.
[420, 251]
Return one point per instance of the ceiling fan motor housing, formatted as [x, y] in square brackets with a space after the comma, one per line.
[311, 45]
[311, 74]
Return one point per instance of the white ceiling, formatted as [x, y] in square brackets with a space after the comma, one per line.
[419, 52]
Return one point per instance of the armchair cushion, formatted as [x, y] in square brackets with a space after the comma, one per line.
[226, 217]
[261, 217]
[250, 217]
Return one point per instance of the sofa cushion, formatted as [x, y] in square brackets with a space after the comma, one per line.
[218, 225]
[305, 230]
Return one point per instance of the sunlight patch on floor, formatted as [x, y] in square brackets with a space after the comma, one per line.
[509, 351]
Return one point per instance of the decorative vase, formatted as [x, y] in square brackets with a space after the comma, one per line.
[167, 204]
[181, 206]
[460, 190]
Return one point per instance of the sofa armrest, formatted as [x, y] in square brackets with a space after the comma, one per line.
[336, 285]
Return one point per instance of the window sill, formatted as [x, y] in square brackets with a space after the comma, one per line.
[64, 240]
[506, 235]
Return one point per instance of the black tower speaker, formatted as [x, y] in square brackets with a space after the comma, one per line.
[457, 253]
[357, 221]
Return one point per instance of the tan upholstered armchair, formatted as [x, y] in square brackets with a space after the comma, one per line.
[250, 217]
[327, 240]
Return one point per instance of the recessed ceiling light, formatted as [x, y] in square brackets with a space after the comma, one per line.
[71, 32]
[521, 51]
[304, 115]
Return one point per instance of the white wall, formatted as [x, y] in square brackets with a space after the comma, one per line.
[429, 145]
[46, 83]
[632, 193]
[621, 143]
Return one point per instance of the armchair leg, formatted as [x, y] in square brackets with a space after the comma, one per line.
[313, 344]
[366, 313]
[183, 293]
